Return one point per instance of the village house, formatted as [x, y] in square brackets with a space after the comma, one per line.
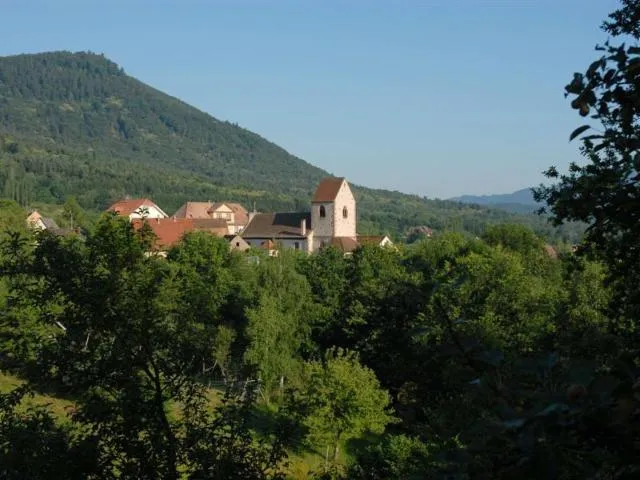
[37, 222]
[136, 208]
[235, 215]
[375, 240]
[237, 243]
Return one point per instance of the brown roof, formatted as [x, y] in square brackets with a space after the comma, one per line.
[328, 189]
[276, 225]
[370, 239]
[127, 207]
[194, 210]
[217, 226]
[206, 209]
[344, 244]
[240, 214]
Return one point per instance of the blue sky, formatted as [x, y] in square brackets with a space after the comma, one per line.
[438, 98]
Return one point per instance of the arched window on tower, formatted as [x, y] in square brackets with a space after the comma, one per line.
[323, 213]
[345, 212]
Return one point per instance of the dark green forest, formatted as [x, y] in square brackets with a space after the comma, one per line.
[455, 357]
[74, 124]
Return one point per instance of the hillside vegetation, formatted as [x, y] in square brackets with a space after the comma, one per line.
[76, 124]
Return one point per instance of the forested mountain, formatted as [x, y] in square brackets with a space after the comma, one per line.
[520, 201]
[76, 124]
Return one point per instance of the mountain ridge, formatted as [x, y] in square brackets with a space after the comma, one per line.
[77, 124]
[520, 201]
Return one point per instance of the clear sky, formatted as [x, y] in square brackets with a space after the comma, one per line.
[435, 97]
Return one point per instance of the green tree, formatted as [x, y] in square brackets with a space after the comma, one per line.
[603, 192]
[278, 323]
[73, 214]
[341, 399]
[127, 351]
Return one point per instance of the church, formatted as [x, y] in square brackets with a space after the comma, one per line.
[331, 221]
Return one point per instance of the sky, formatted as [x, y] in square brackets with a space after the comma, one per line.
[433, 97]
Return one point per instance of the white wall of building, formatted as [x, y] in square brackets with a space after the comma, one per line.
[154, 212]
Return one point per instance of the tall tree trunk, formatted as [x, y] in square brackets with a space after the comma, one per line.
[172, 457]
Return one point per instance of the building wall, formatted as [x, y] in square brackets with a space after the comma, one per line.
[303, 244]
[153, 213]
[238, 243]
[322, 226]
[345, 227]
[224, 212]
[386, 241]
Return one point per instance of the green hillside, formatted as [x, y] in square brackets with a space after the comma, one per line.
[76, 124]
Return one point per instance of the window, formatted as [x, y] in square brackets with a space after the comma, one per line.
[323, 213]
[345, 212]
[297, 245]
[237, 244]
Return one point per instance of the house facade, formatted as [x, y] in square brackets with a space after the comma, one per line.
[234, 214]
[137, 208]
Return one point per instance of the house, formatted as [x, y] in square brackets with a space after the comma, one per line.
[332, 221]
[37, 222]
[237, 243]
[234, 214]
[136, 208]
[288, 229]
[375, 240]
[240, 217]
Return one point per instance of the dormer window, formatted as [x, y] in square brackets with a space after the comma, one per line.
[323, 212]
[345, 212]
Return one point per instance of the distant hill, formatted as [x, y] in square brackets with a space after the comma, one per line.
[520, 201]
[76, 124]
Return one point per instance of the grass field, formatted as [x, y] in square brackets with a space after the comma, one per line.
[301, 462]
[59, 407]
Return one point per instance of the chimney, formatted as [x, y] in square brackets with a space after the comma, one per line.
[252, 214]
[303, 227]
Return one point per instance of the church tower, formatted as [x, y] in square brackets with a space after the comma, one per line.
[333, 212]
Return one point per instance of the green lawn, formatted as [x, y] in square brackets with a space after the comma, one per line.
[301, 461]
[59, 407]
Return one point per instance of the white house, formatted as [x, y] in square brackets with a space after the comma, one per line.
[137, 208]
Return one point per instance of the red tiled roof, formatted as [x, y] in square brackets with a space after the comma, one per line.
[328, 189]
[127, 207]
[168, 231]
